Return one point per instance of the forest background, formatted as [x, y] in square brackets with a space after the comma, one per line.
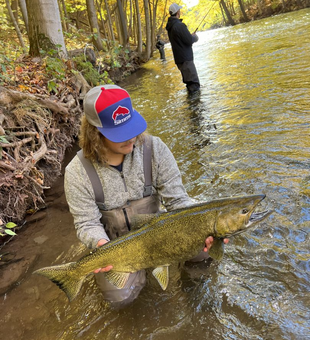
[52, 52]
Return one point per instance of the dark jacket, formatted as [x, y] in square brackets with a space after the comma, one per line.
[181, 40]
[160, 44]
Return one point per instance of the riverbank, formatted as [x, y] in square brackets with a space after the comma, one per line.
[40, 110]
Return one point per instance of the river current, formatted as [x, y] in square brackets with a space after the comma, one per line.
[246, 132]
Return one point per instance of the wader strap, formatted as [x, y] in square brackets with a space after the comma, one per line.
[147, 166]
[94, 179]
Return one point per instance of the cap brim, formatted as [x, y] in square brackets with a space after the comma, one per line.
[128, 130]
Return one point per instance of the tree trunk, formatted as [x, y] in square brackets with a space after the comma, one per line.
[109, 21]
[245, 17]
[45, 31]
[19, 35]
[102, 25]
[63, 15]
[229, 17]
[130, 26]
[231, 8]
[64, 8]
[23, 8]
[259, 6]
[92, 17]
[223, 15]
[164, 18]
[123, 33]
[139, 31]
[148, 29]
[154, 28]
[14, 8]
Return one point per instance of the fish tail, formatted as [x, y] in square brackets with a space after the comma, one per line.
[60, 275]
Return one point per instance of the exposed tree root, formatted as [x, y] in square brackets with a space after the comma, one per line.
[35, 131]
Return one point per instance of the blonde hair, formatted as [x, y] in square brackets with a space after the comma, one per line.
[92, 142]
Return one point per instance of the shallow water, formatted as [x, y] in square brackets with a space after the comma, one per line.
[248, 131]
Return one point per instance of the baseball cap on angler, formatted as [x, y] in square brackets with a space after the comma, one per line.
[174, 8]
[109, 108]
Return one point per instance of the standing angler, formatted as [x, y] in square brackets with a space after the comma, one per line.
[160, 45]
[181, 42]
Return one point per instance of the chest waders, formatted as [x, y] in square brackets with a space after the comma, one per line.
[117, 222]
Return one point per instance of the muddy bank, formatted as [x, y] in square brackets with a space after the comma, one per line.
[19, 257]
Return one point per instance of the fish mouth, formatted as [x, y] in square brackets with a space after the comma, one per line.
[258, 216]
[253, 220]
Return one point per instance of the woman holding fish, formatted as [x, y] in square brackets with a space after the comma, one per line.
[119, 174]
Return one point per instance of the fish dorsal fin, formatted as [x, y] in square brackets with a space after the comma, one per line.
[138, 220]
[117, 279]
[161, 274]
[217, 249]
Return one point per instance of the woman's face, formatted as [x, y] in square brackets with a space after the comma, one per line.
[123, 148]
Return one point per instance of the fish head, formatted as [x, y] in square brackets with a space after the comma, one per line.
[236, 215]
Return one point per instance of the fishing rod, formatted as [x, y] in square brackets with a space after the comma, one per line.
[205, 16]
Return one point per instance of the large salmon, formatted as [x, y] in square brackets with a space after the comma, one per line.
[161, 240]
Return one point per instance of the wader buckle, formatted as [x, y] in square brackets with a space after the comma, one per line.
[147, 191]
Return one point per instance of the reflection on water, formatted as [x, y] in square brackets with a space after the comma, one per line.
[248, 131]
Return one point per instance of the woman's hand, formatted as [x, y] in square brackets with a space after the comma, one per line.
[209, 242]
[104, 269]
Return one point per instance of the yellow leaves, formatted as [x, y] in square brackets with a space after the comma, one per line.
[31, 211]
[24, 88]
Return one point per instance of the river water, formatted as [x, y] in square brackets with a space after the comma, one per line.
[248, 131]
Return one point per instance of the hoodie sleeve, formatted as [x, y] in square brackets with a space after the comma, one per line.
[167, 177]
[185, 35]
[81, 200]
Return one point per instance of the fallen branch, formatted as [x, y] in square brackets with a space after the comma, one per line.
[10, 96]
[36, 183]
[18, 144]
[34, 158]
[4, 165]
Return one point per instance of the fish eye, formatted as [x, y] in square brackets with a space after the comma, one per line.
[245, 211]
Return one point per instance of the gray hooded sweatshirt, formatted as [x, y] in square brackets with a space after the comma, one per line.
[121, 187]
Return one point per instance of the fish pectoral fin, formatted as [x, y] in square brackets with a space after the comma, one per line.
[217, 249]
[117, 279]
[161, 274]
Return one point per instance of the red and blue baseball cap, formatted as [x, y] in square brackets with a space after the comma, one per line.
[109, 108]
